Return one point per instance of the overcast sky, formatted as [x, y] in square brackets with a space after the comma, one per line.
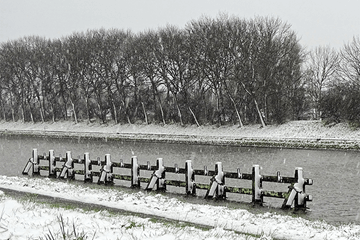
[316, 22]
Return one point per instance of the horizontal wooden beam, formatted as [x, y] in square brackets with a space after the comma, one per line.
[247, 191]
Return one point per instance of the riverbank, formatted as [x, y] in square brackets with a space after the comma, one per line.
[147, 215]
[294, 134]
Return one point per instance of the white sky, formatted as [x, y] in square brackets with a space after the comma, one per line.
[316, 22]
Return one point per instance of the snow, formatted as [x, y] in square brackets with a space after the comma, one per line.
[27, 219]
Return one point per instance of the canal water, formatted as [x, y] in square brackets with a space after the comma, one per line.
[336, 174]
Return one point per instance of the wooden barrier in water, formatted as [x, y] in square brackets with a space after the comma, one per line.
[217, 188]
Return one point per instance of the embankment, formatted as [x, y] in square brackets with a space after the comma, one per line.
[295, 134]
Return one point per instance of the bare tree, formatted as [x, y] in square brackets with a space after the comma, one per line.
[147, 44]
[173, 60]
[350, 61]
[322, 66]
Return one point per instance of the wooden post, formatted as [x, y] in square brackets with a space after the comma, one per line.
[31, 164]
[297, 192]
[301, 198]
[161, 186]
[300, 188]
[135, 172]
[189, 178]
[88, 177]
[106, 171]
[52, 164]
[27, 167]
[68, 168]
[158, 177]
[36, 162]
[220, 177]
[257, 197]
[108, 168]
[217, 186]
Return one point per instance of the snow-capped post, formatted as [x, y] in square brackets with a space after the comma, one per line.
[189, 178]
[158, 177]
[88, 177]
[68, 168]
[217, 186]
[257, 197]
[52, 164]
[297, 191]
[106, 172]
[135, 172]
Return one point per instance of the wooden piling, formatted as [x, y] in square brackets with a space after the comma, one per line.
[52, 164]
[161, 186]
[68, 167]
[36, 162]
[190, 188]
[88, 177]
[257, 197]
[135, 172]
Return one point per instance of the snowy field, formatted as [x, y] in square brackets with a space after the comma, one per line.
[25, 218]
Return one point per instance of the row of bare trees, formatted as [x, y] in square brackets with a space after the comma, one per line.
[212, 71]
[332, 81]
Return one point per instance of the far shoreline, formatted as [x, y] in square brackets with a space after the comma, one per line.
[295, 134]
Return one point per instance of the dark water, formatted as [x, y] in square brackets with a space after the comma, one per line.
[336, 174]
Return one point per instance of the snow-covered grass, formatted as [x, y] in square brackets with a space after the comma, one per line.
[153, 216]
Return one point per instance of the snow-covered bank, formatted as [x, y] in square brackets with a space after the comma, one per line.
[295, 134]
[31, 220]
[293, 129]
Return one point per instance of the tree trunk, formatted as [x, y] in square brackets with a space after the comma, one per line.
[3, 110]
[42, 112]
[13, 113]
[145, 114]
[53, 112]
[192, 113]
[256, 105]
[87, 109]
[260, 115]
[178, 109]
[23, 112]
[31, 113]
[128, 118]
[135, 113]
[237, 111]
[161, 109]
[65, 107]
[115, 113]
[74, 112]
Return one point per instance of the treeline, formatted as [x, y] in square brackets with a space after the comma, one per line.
[213, 71]
[332, 81]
